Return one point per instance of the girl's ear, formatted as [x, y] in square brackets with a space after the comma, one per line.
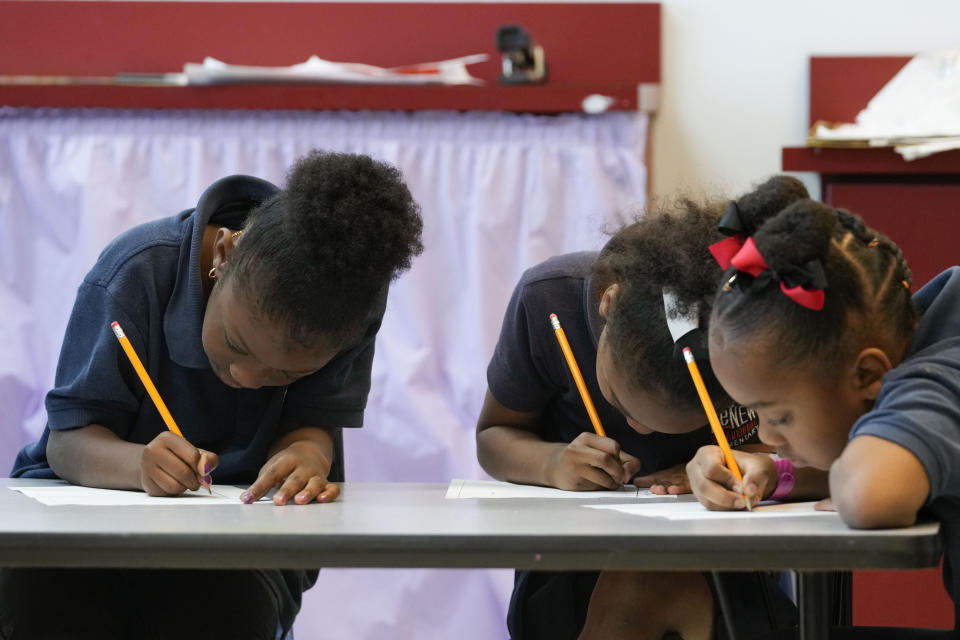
[872, 365]
[606, 300]
[223, 246]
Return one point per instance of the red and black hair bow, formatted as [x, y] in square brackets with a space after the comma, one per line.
[804, 284]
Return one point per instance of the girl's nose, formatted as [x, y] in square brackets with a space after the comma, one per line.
[769, 435]
[249, 376]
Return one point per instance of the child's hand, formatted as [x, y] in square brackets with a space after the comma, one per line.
[673, 481]
[717, 488]
[824, 505]
[170, 465]
[300, 470]
[588, 463]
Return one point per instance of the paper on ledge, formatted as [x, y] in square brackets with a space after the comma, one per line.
[696, 511]
[917, 111]
[68, 494]
[460, 488]
[318, 70]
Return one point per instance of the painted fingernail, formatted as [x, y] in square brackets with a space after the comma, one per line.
[246, 498]
[323, 498]
[280, 499]
[301, 498]
[207, 479]
[207, 468]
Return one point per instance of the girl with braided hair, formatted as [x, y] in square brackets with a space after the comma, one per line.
[815, 327]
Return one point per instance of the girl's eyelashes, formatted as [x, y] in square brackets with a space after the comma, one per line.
[779, 421]
[232, 346]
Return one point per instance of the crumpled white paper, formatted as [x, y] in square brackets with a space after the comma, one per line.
[318, 70]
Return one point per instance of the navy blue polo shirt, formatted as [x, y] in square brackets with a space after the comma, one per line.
[149, 280]
[529, 373]
[918, 408]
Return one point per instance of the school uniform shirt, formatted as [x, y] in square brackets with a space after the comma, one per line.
[528, 371]
[149, 280]
[918, 407]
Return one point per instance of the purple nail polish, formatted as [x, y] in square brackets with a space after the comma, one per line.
[246, 498]
[207, 479]
[281, 499]
[207, 468]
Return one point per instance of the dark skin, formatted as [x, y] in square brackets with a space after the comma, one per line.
[509, 448]
[624, 604]
[245, 350]
[807, 414]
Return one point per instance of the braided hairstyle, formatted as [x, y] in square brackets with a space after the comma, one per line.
[318, 256]
[867, 292]
[668, 248]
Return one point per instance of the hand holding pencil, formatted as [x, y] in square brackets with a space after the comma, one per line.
[715, 422]
[590, 461]
[718, 489]
[169, 464]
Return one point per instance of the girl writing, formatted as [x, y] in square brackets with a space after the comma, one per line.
[815, 328]
[255, 315]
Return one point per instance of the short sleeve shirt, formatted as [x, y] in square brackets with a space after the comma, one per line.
[148, 279]
[529, 373]
[918, 408]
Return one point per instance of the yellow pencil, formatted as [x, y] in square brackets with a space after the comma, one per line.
[148, 383]
[575, 370]
[145, 378]
[713, 419]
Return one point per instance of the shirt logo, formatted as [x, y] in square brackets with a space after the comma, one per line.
[740, 424]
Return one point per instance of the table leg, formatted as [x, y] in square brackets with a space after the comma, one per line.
[813, 600]
[725, 611]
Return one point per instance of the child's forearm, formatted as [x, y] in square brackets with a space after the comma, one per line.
[878, 483]
[94, 456]
[516, 455]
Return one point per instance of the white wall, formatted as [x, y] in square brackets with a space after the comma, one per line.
[735, 74]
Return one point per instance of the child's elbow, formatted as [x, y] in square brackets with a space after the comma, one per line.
[54, 452]
[870, 508]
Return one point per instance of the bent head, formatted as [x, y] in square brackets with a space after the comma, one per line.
[811, 372]
[637, 368]
[309, 275]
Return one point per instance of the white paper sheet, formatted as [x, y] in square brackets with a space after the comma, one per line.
[460, 488]
[696, 511]
[917, 111]
[69, 494]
